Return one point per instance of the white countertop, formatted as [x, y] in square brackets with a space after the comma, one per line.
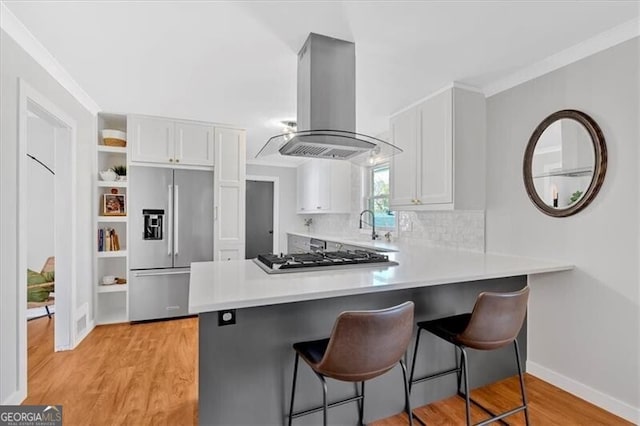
[236, 284]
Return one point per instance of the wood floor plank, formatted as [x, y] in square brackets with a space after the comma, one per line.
[548, 405]
[146, 374]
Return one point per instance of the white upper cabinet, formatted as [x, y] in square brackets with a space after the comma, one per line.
[435, 151]
[442, 166]
[194, 144]
[151, 139]
[324, 186]
[402, 181]
[171, 142]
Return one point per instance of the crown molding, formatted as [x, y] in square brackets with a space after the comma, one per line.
[455, 84]
[26, 40]
[588, 47]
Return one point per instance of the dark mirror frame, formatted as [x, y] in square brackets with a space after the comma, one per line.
[600, 166]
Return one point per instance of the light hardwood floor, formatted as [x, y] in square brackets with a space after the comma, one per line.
[146, 374]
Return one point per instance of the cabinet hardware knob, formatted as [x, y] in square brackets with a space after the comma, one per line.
[171, 160]
[177, 160]
[318, 207]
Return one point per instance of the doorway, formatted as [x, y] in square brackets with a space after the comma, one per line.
[48, 134]
[41, 148]
[261, 224]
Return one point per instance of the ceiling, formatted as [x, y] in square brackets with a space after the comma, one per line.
[235, 62]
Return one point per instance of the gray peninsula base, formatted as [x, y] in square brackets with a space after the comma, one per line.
[245, 369]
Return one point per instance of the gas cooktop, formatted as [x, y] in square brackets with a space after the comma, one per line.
[304, 262]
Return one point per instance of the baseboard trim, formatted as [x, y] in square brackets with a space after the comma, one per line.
[90, 326]
[600, 399]
[15, 398]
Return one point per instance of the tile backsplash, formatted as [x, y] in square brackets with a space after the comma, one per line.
[457, 229]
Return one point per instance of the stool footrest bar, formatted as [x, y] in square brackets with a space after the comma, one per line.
[436, 375]
[501, 416]
[320, 408]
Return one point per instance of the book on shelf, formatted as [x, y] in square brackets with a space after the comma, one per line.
[108, 240]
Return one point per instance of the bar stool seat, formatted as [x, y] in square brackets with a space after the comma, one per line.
[494, 323]
[312, 351]
[363, 345]
[447, 328]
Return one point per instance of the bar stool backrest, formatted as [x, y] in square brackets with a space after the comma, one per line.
[496, 320]
[366, 344]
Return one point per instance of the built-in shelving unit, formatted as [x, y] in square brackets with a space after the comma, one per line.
[111, 301]
[114, 288]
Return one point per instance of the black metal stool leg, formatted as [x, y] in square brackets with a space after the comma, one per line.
[407, 400]
[459, 367]
[522, 389]
[324, 399]
[465, 372]
[48, 312]
[293, 387]
[361, 405]
[413, 361]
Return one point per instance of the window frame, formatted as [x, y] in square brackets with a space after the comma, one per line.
[369, 197]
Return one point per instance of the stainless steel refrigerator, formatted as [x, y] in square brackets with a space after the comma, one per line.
[171, 219]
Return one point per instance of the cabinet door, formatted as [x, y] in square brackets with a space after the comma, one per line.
[151, 140]
[402, 180]
[321, 182]
[194, 144]
[302, 190]
[229, 254]
[229, 193]
[435, 150]
[314, 186]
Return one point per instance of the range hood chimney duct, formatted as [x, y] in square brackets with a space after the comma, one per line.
[326, 122]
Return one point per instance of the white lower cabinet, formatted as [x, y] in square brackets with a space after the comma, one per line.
[324, 186]
[443, 160]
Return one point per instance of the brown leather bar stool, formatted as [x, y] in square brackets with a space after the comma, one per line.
[495, 322]
[363, 345]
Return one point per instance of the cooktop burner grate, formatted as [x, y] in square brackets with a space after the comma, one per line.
[273, 263]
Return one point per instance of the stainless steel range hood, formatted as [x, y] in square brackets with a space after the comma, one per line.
[326, 120]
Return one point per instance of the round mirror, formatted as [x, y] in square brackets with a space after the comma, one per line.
[565, 163]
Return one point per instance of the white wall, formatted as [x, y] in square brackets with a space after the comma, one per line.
[287, 179]
[15, 64]
[40, 197]
[583, 324]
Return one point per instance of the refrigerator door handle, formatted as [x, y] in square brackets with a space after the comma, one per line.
[169, 220]
[176, 210]
[157, 274]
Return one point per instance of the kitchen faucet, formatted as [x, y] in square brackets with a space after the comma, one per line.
[372, 224]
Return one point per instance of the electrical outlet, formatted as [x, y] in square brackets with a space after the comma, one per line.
[227, 317]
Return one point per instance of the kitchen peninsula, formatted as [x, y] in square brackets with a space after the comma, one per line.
[245, 369]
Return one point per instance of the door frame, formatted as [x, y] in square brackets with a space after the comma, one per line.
[65, 336]
[276, 206]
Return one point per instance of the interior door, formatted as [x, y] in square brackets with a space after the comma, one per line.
[193, 217]
[259, 221]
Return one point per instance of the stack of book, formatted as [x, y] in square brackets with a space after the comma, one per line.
[108, 240]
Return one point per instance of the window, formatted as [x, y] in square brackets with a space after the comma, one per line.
[378, 199]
